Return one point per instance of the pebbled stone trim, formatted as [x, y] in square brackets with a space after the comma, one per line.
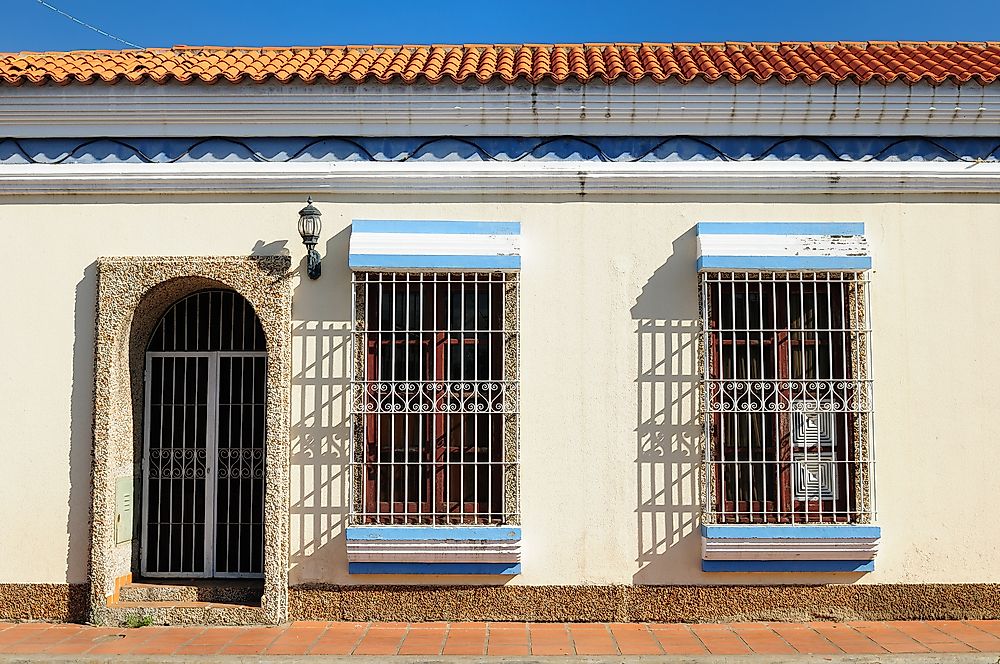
[133, 293]
[788, 603]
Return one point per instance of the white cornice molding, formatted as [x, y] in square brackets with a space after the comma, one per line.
[448, 109]
[773, 179]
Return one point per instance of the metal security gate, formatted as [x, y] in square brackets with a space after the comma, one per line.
[203, 464]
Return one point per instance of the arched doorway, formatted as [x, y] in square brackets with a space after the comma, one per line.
[203, 450]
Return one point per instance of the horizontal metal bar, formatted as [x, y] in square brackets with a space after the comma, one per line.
[432, 533]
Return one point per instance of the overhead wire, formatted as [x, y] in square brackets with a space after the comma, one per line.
[87, 25]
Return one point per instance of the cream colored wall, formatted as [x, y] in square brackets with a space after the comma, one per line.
[608, 430]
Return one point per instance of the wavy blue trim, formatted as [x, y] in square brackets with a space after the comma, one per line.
[495, 569]
[788, 565]
[779, 228]
[436, 227]
[849, 263]
[376, 261]
[500, 149]
[397, 533]
[790, 532]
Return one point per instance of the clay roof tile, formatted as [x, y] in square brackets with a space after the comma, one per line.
[861, 62]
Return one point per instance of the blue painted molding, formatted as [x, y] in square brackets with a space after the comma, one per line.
[410, 533]
[788, 565]
[779, 228]
[500, 149]
[790, 532]
[784, 263]
[431, 262]
[436, 227]
[494, 569]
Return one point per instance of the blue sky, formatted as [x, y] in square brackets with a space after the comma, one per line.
[29, 26]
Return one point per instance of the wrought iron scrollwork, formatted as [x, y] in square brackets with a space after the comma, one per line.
[241, 463]
[464, 396]
[178, 463]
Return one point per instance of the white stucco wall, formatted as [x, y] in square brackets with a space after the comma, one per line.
[609, 308]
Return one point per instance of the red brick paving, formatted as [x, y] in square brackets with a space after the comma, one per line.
[537, 639]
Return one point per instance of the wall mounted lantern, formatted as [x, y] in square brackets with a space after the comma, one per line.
[310, 226]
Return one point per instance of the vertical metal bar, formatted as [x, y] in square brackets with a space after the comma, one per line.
[247, 447]
[159, 492]
[475, 419]
[422, 385]
[211, 462]
[173, 452]
[449, 483]
[237, 399]
[186, 362]
[146, 479]
[385, 295]
[437, 479]
[734, 373]
[194, 492]
[748, 416]
[407, 376]
[782, 392]
[398, 377]
[761, 417]
[490, 400]
[232, 322]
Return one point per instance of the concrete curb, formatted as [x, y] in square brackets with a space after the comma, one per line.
[913, 658]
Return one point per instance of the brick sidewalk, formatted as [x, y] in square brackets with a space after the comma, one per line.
[323, 638]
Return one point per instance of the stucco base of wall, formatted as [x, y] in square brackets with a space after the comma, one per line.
[645, 603]
[55, 602]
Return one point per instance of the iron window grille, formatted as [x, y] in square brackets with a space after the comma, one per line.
[786, 398]
[435, 398]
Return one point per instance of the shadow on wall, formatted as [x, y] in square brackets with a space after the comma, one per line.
[320, 432]
[668, 434]
[81, 427]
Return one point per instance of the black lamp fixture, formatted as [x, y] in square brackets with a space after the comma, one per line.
[309, 227]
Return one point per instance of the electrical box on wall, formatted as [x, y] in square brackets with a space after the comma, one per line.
[123, 510]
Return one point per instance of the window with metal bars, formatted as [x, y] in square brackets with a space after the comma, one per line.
[787, 397]
[435, 398]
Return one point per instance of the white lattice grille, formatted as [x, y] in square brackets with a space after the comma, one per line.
[786, 399]
[435, 398]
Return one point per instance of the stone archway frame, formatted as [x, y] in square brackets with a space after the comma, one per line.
[133, 293]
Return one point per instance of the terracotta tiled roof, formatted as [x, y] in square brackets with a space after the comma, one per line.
[883, 62]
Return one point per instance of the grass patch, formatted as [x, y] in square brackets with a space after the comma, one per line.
[138, 621]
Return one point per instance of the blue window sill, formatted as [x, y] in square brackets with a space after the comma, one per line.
[486, 550]
[805, 548]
